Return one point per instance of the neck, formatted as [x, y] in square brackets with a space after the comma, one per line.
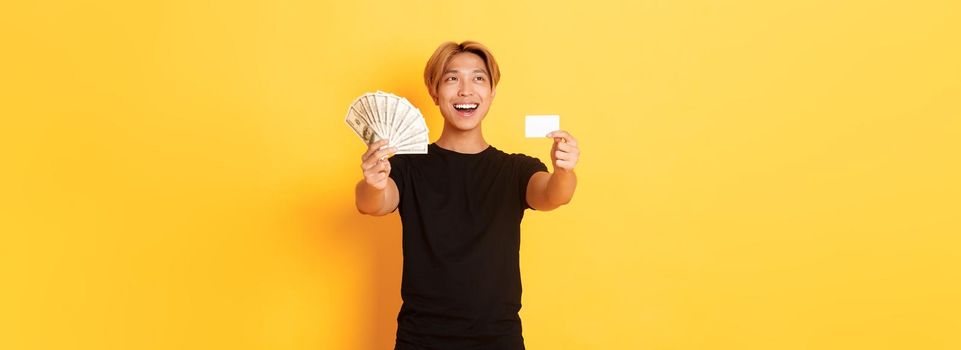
[462, 141]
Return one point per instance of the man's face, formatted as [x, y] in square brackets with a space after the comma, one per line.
[464, 93]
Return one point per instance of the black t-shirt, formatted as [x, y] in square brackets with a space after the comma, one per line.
[461, 216]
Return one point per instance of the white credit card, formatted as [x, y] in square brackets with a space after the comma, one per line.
[541, 125]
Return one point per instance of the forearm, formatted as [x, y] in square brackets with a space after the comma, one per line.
[370, 200]
[560, 187]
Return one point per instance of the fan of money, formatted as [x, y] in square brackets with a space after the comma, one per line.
[380, 115]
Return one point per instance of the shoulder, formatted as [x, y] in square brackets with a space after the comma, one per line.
[523, 157]
[512, 156]
[520, 159]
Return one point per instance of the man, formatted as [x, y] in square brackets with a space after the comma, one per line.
[461, 205]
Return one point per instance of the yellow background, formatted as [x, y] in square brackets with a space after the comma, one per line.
[755, 174]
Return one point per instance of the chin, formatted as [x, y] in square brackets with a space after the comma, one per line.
[465, 125]
[462, 124]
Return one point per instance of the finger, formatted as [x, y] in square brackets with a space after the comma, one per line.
[373, 166]
[556, 133]
[378, 144]
[370, 162]
[374, 178]
[566, 155]
[383, 152]
[561, 134]
[374, 161]
[567, 147]
[378, 168]
[383, 166]
[373, 148]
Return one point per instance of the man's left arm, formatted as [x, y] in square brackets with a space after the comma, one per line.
[547, 191]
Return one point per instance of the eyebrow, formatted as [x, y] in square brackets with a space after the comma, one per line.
[475, 71]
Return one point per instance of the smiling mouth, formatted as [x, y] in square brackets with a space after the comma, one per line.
[465, 109]
[465, 106]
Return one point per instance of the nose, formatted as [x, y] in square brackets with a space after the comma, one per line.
[465, 89]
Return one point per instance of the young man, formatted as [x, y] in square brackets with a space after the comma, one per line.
[461, 206]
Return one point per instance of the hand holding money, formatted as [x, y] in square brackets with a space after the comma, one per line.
[375, 165]
[564, 153]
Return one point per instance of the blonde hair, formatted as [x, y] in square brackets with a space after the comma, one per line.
[438, 62]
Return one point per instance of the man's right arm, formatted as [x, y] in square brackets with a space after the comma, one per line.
[376, 194]
[372, 201]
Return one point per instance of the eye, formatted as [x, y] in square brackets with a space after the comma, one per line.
[451, 78]
[479, 78]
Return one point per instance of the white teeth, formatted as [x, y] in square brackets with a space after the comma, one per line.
[466, 106]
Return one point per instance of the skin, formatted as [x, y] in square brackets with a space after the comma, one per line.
[466, 80]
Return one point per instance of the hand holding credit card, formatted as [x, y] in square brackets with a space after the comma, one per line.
[564, 151]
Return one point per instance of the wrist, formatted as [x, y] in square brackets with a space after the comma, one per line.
[559, 170]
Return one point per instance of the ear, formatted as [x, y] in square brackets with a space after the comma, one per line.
[493, 92]
[434, 97]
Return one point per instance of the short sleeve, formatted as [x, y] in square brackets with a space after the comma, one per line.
[527, 166]
[398, 172]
